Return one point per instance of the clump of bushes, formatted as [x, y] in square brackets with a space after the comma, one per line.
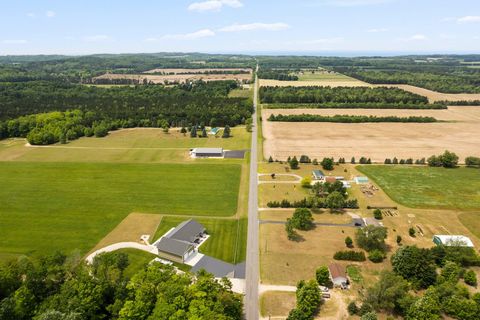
[447, 160]
[350, 255]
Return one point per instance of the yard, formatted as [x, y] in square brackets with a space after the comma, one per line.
[426, 187]
[228, 237]
[71, 206]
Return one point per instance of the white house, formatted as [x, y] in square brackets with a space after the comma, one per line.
[206, 153]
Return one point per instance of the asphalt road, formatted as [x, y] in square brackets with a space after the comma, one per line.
[252, 268]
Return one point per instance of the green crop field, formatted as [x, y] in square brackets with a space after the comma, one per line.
[426, 187]
[71, 206]
[228, 237]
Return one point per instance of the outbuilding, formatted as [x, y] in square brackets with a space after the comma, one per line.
[338, 275]
[206, 153]
[452, 241]
[318, 175]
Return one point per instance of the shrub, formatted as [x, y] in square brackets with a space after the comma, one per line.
[376, 256]
[395, 161]
[352, 161]
[365, 308]
[470, 278]
[270, 159]
[305, 159]
[399, 239]
[369, 316]
[352, 308]
[377, 213]
[388, 161]
[348, 242]
[293, 163]
[226, 132]
[315, 162]
[100, 131]
[306, 182]
[472, 161]
[327, 163]
[322, 275]
[412, 232]
[350, 255]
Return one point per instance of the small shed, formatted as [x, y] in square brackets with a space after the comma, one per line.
[452, 241]
[318, 175]
[338, 275]
[361, 180]
[330, 179]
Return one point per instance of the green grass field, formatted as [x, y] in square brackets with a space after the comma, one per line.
[71, 206]
[426, 187]
[140, 145]
[228, 237]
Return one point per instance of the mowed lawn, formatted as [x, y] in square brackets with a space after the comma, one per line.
[228, 237]
[71, 206]
[426, 187]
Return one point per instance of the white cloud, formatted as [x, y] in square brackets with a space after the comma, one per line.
[352, 3]
[96, 38]
[256, 26]
[204, 33]
[468, 19]
[214, 5]
[31, 15]
[50, 14]
[376, 30]
[19, 41]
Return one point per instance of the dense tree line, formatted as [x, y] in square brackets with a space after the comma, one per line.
[344, 95]
[461, 103]
[58, 287]
[446, 81]
[112, 108]
[356, 105]
[348, 118]
[276, 74]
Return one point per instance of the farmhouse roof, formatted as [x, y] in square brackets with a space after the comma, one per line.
[318, 173]
[330, 179]
[187, 231]
[173, 246]
[453, 240]
[337, 271]
[208, 150]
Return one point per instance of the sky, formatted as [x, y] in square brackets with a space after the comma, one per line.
[239, 26]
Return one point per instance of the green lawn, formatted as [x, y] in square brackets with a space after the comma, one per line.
[139, 145]
[426, 187]
[137, 260]
[71, 206]
[228, 237]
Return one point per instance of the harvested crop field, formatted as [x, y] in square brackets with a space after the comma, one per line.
[433, 95]
[175, 78]
[195, 71]
[374, 140]
[327, 82]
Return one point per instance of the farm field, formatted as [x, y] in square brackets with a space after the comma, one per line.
[325, 82]
[145, 145]
[434, 95]
[277, 303]
[228, 236]
[426, 187]
[195, 71]
[71, 206]
[174, 78]
[308, 75]
[373, 140]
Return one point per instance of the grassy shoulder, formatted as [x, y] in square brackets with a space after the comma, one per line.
[77, 204]
[427, 187]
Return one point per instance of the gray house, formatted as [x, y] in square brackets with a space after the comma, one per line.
[179, 244]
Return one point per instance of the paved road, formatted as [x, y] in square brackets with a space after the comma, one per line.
[252, 272]
[122, 245]
[326, 224]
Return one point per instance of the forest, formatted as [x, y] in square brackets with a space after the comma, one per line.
[80, 69]
[48, 111]
[340, 95]
[348, 118]
[283, 75]
[58, 287]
